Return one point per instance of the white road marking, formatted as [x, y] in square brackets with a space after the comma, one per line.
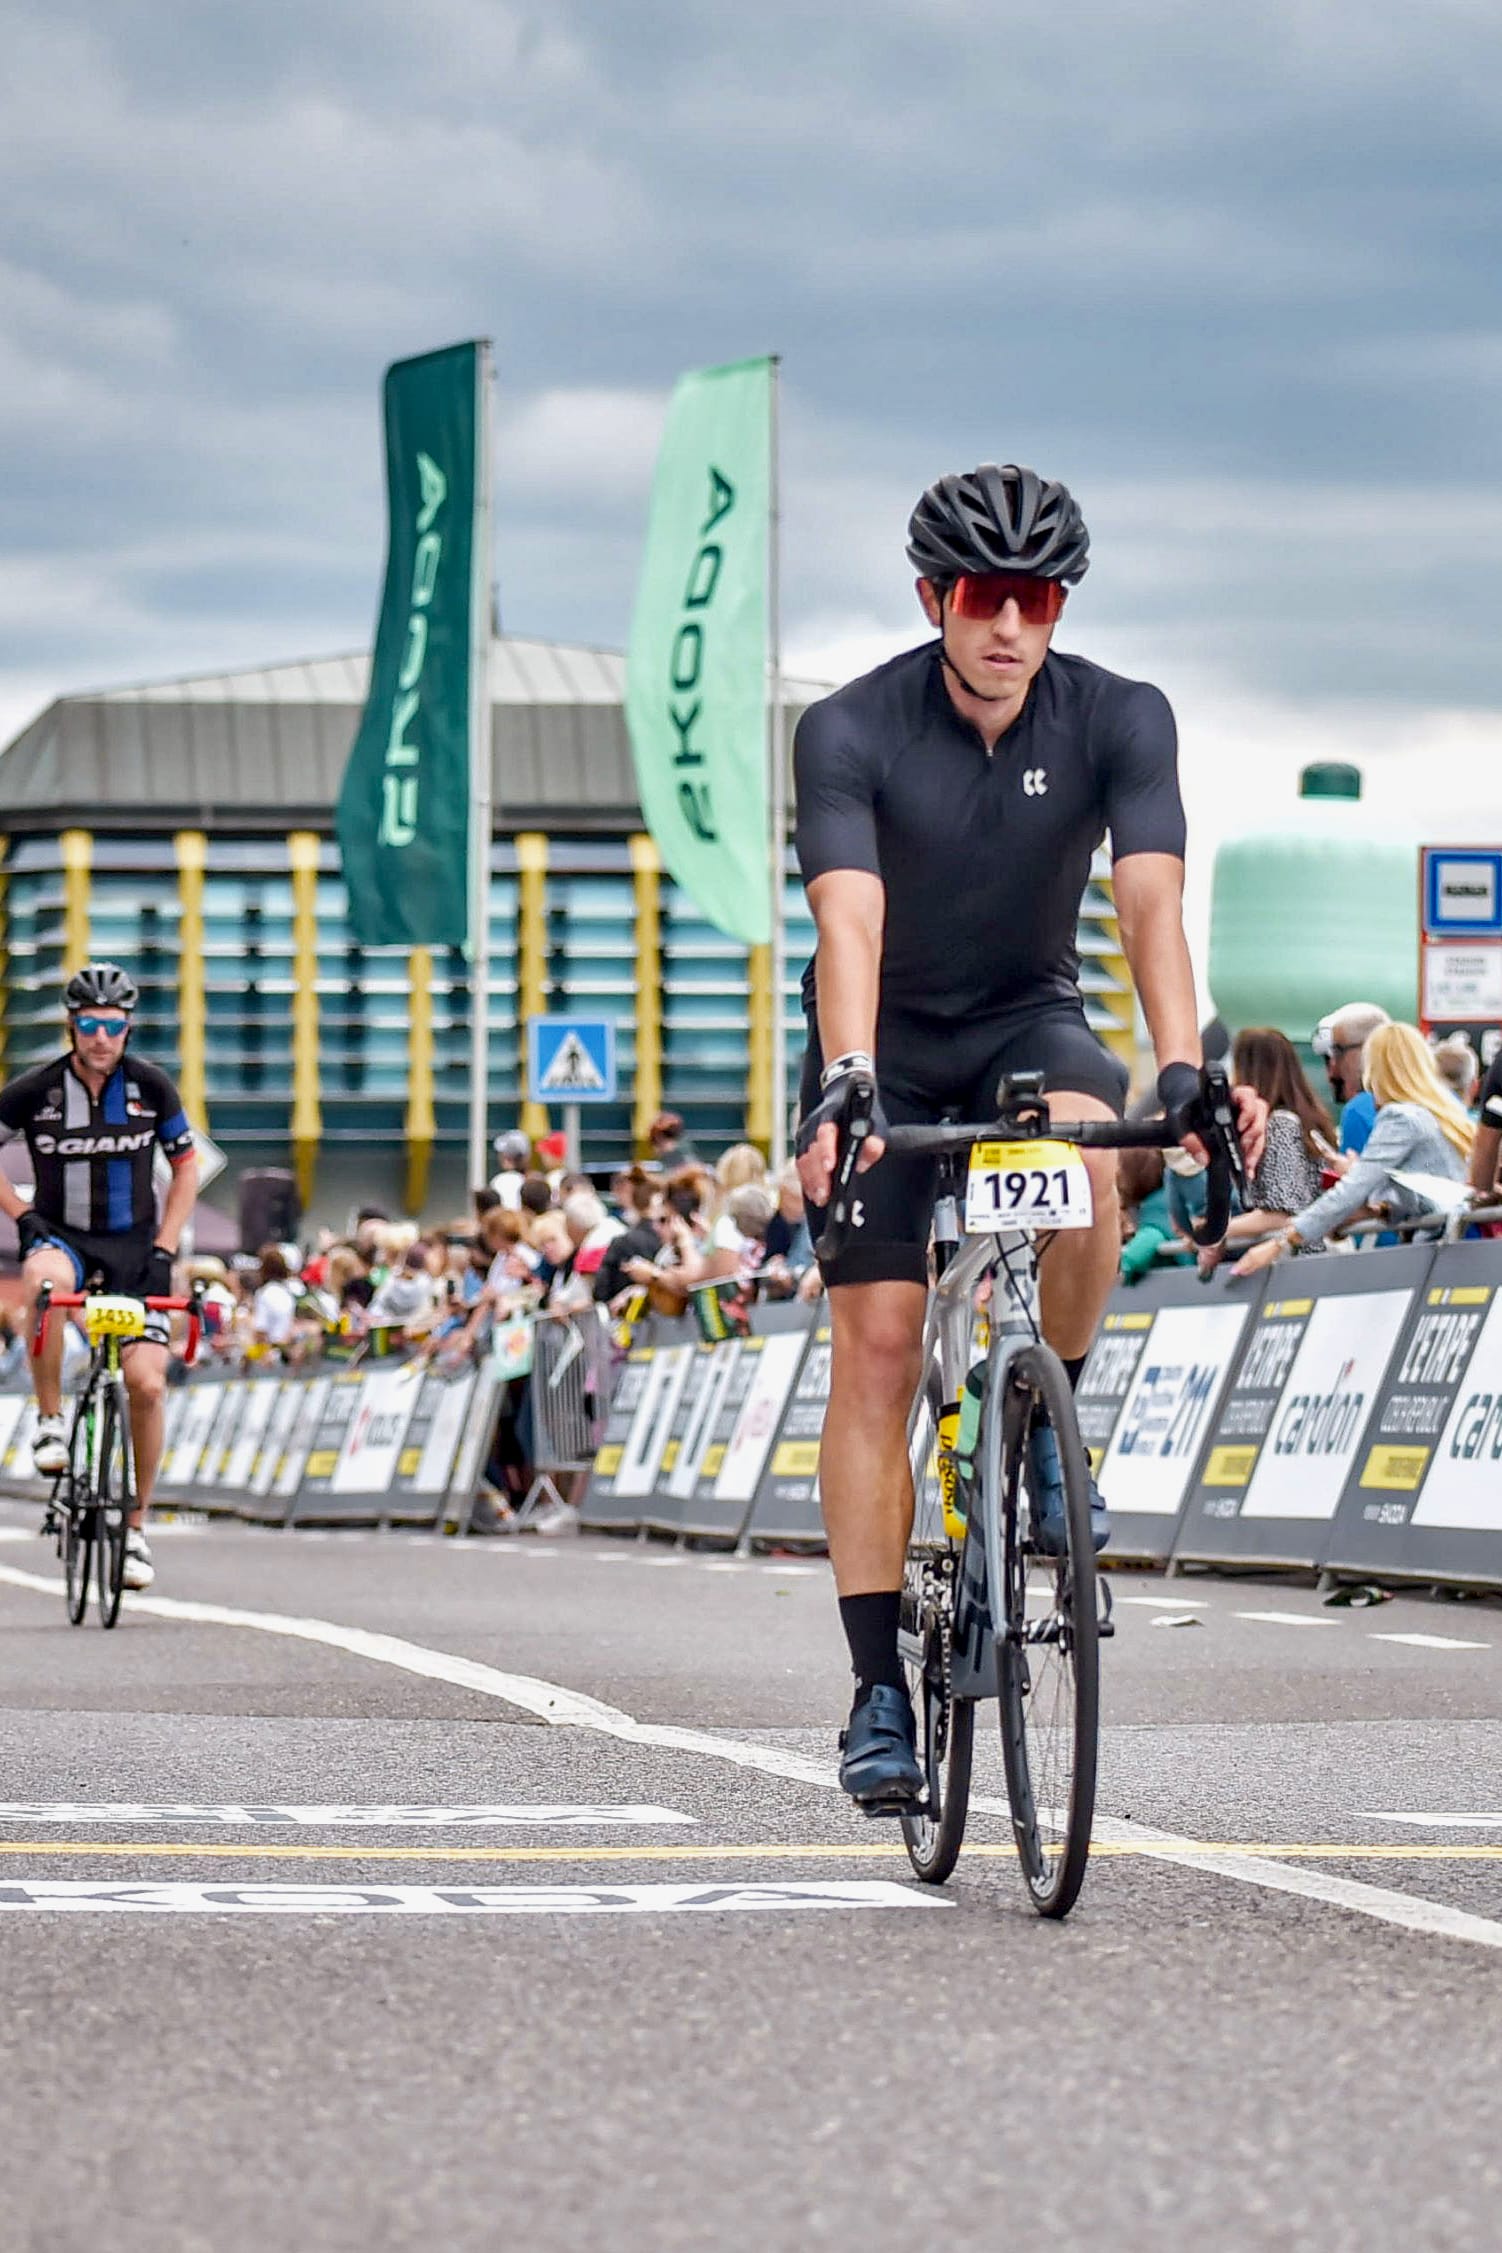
[1431, 1642]
[76, 1894]
[1289, 1619]
[572, 1709]
[1437, 1822]
[18, 1533]
[129, 1812]
[1162, 1603]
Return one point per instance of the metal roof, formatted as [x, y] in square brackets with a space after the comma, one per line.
[267, 748]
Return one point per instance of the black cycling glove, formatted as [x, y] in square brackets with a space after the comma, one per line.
[836, 1105]
[157, 1279]
[1181, 1090]
[31, 1232]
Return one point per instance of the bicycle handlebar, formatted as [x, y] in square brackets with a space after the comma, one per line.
[191, 1306]
[1216, 1127]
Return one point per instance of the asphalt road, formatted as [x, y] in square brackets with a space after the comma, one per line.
[271, 1978]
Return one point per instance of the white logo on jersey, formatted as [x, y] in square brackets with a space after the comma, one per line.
[1035, 782]
[857, 1214]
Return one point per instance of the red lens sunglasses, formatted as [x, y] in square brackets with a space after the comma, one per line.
[985, 594]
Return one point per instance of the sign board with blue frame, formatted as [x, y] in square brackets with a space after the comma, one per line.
[1462, 892]
[571, 1060]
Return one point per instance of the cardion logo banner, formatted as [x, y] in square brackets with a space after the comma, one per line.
[1324, 1405]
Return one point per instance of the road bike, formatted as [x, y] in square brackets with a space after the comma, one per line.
[88, 1510]
[998, 1602]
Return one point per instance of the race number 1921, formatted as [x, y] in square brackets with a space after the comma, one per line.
[1026, 1185]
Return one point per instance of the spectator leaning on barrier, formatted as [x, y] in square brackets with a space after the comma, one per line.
[1420, 1129]
[1341, 1039]
[273, 1312]
[1300, 1144]
[641, 1235]
[1146, 1230]
[789, 1269]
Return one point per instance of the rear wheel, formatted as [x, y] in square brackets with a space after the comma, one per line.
[114, 1506]
[1048, 1648]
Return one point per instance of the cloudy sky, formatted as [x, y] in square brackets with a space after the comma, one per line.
[1231, 273]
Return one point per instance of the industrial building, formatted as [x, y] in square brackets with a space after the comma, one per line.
[186, 828]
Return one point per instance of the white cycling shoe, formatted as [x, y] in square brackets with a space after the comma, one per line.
[139, 1571]
[49, 1447]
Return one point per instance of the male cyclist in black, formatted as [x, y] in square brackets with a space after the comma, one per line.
[92, 1122]
[949, 804]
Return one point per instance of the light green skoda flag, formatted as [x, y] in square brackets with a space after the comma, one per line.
[403, 814]
[696, 672]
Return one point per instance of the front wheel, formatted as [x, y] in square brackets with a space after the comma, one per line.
[116, 1495]
[1047, 1630]
[77, 1535]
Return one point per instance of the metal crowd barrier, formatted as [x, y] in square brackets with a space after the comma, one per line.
[573, 1372]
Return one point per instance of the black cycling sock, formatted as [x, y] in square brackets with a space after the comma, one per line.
[1074, 1365]
[870, 1624]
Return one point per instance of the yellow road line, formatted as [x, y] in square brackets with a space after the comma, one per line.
[218, 1850]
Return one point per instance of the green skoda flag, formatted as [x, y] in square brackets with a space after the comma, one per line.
[696, 673]
[403, 814]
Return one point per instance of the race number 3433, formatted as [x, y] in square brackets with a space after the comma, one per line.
[1026, 1185]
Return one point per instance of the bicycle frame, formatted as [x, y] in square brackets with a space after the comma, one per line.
[963, 1264]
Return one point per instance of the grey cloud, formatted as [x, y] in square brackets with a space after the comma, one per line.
[1230, 272]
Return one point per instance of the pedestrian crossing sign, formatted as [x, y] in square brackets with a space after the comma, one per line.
[571, 1060]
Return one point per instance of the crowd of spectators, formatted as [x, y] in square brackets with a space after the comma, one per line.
[1408, 1132]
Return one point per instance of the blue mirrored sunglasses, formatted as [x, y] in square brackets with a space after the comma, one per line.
[114, 1026]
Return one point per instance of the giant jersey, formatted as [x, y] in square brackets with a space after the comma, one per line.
[92, 1161]
[984, 855]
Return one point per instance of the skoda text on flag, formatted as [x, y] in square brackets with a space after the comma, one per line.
[696, 670]
[403, 815]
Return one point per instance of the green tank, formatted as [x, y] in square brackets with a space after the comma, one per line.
[1316, 912]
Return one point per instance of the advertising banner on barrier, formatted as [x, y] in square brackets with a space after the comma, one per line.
[602, 1504]
[1169, 1391]
[761, 1378]
[250, 1432]
[341, 1396]
[424, 1472]
[787, 1500]
[195, 1421]
[663, 1508]
[1282, 1445]
[652, 1425]
[1424, 1496]
[263, 1500]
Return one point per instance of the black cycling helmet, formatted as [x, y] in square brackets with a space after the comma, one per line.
[100, 985]
[998, 519]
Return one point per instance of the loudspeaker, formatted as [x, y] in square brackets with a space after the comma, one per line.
[269, 1208]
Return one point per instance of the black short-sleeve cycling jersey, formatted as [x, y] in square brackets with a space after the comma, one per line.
[1490, 1098]
[984, 855]
[92, 1160]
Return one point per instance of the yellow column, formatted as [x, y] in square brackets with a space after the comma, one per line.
[77, 847]
[759, 1068]
[307, 1114]
[191, 848]
[422, 1120]
[531, 955]
[646, 874]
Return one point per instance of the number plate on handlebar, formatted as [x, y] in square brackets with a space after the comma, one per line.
[1026, 1185]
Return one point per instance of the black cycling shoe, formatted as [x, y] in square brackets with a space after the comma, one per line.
[879, 1765]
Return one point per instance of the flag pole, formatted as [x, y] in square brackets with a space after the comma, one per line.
[480, 812]
[778, 792]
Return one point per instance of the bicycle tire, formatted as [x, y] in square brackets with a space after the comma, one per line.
[1048, 1655]
[112, 1508]
[77, 1552]
[946, 1725]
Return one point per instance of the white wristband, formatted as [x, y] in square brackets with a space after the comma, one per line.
[856, 1061]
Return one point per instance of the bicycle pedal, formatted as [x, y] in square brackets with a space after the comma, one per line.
[885, 1810]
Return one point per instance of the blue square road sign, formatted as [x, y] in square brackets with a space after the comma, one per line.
[571, 1060]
